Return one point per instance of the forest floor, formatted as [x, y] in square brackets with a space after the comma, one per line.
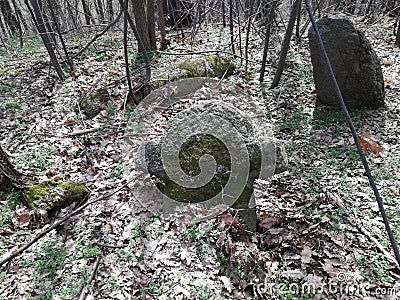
[320, 234]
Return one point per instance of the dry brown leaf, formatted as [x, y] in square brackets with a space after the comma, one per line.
[368, 144]
[22, 217]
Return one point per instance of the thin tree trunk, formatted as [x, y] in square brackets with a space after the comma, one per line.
[240, 32]
[21, 41]
[3, 26]
[31, 13]
[71, 15]
[47, 24]
[21, 17]
[267, 36]
[231, 25]
[246, 46]
[110, 10]
[223, 14]
[46, 39]
[398, 35]
[141, 46]
[69, 61]
[127, 72]
[151, 24]
[286, 43]
[9, 17]
[161, 24]
[141, 22]
[101, 11]
[86, 11]
[298, 37]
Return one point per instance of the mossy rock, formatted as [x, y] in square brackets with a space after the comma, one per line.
[51, 195]
[92, 105]
[198, 145]
[210, 66]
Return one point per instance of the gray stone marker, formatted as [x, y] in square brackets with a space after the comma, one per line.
[211, 153]
[355, 64]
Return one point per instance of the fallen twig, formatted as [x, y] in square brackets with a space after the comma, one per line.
[85, 285]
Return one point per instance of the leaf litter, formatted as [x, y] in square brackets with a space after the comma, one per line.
[319, 224]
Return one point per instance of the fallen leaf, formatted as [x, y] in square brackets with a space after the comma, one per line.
[368, 144]
[70, 122]
[228, 219]
[6, 231]
[22, 217]
[268, 222]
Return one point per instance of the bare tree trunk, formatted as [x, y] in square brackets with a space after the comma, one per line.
[240, 32]
[21, 40]
[60, 34]
[141, 22]
[3, 27]
[71, 15]
[267, 36]
[286, 43]
[127, 72]
[298, 36]
[223, 14]
[31, 13]
[398, 35]
[246, 46]
[9, 17]
[46, 39]
[87, 12]
[151, 24]
[47, 24]
[101, 11]
[110, 10]
[141, 47]
[161, 24]
[231, 25]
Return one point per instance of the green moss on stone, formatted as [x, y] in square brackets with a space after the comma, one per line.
[73, 191]
[192, 68]
[220, 65]
[35, 192]
[50, 195]
[210, 66]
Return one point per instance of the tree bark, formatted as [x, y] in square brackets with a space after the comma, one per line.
[86, 11]
[286, 43]
[10, 178]
[46, 39]
[53, 15]
[161, 24]
[151, 24]
[101, 10]
[398, 35]
[110, 10]
[141, 21]
[267, 37]
[9, 17]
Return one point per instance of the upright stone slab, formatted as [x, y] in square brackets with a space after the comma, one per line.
[355, 65]
[211, 152]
